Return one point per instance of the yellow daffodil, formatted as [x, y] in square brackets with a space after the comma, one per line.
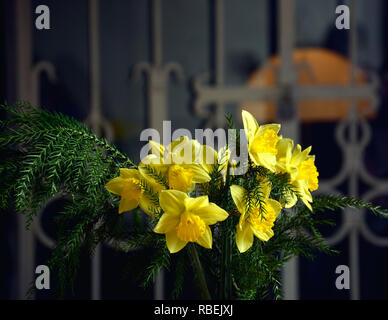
[302, 170]
[262, 141]
[187, 219]
[128, 186]
[258, 221]
[180, 163]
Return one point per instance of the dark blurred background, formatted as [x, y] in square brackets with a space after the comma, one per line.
[86, 64]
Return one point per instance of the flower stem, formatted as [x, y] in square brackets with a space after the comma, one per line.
[201, 275]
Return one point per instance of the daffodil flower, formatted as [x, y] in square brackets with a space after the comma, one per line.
[128, 186]
[180, 163]
[187, 219]
[258, 221]
[262, 141]
[302, 170]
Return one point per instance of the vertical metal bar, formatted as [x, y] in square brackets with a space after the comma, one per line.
[94, 54]
[287, 108]
[23, 47]
[158, 101]
[157, 110]
[96, 273]
[219, 42]
[26, 245]
[290, 124]
[286, 35]
[157, 88]
[353, 179]
[94, 122]
[26, 256]
[219, 117]
[156, 21]
[352, 45]
[159, 286]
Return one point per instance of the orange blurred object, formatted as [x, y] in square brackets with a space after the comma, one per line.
[315, 66]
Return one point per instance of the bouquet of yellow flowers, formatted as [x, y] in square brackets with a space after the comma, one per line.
[236, 212]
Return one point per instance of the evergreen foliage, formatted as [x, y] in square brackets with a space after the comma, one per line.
[46, 155]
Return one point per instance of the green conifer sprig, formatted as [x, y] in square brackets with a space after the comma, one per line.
[333, 203]
[47, 155]
[152, 196]
[152, 173]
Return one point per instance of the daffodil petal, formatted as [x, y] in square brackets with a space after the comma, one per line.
[289, 199]
[200, 174]
[272, 126]
[303, 190]
[209, 158]
[196, 203]
[304, 193]
[241, 220]
[266, 160]
[152, 162]
[156, 148]
[166, 223]
[172, 201]
[129, 173]
[147, 205]
[265, 189]
[239, 195]
[244, 237]
[285, 146]
[298, 155]
[211, 214]
[206, 240]
[127, 205]
[115, 185]
[178, 144]
[263, 236]
[307, 204]
[151, 159]
[277, 207]
[185, 156]
[174, 244]
[250, 125]
[185, 151]
[293, 173]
